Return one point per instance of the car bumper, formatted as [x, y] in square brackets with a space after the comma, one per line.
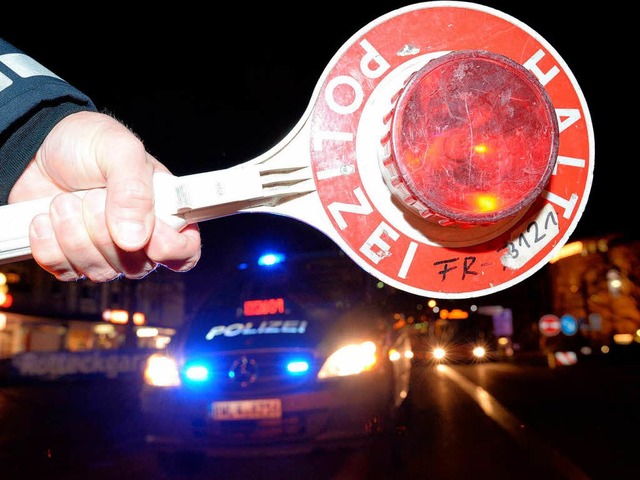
[339, 414]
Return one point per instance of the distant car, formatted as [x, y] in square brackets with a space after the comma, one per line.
[453, 342]
[467, 352]
[286, 356]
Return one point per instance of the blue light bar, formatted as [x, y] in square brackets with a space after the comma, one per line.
[269, 259]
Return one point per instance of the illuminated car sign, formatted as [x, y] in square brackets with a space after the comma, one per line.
[265, 327]
[269, 306]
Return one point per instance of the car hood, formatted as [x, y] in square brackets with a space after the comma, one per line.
[320, 328]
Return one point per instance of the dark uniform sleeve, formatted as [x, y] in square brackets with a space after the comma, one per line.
[32, 101]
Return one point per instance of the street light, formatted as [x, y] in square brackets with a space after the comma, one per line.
[614, 282]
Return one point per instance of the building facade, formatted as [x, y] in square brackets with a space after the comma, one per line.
[597, 281]
[40, 313]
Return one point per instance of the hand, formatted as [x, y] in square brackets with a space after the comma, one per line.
[111, 231]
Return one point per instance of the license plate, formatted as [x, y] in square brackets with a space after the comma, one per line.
[247, 409]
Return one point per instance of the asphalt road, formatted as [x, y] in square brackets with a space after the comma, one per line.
[502, 420]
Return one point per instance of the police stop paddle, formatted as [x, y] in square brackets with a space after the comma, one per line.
[447, 149]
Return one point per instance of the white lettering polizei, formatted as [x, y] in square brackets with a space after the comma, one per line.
[267, 327]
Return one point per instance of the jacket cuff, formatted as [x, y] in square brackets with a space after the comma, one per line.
[18, 147]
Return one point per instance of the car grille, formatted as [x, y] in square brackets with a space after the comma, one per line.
[259, 372]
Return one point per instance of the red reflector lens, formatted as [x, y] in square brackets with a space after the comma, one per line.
[474, 139]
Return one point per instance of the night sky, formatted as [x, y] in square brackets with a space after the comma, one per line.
[208, 88]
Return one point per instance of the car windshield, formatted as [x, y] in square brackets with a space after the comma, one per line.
[312, 278]
[296, 293]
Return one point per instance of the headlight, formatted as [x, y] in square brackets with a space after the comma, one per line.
[395, 355]
[161, 371]
[351, 359]
[439, 354]
[479, 352]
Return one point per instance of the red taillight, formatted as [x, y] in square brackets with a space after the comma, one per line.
[474, 139]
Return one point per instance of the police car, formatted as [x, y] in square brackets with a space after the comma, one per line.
[286, 355]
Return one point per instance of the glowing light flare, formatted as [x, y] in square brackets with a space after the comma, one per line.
[623, 338]
[350, 359]
[479, 352]
[394, 355]
[568, 250]
[298, 367]
[484, 202]
[161, 371]
[6, 300]
[269, 259]
[439, 353]
[139, 318]
[454, 314]
[197, 373]
[115, 316]
[481, 149]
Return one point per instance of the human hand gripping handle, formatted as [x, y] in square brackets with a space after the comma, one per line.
[181, 201]
[84, 206]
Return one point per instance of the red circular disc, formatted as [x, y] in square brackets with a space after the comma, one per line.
[353, 111]
[474, 138]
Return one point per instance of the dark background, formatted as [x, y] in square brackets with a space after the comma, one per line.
[209, 87]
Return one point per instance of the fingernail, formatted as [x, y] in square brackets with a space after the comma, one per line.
[42, 227]
[131, 233]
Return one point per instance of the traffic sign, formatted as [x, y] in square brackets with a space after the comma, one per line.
[549, 325]
[566, 358]
[568, 324]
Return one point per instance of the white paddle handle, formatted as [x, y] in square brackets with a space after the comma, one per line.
[178, 200]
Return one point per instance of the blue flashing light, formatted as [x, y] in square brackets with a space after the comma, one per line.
[298, 367]
[269, 259]
[197, 373]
